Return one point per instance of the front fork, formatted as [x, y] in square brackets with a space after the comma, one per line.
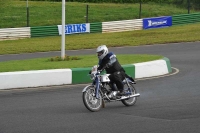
[97, 87]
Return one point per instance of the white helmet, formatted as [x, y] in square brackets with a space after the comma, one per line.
[102, 51]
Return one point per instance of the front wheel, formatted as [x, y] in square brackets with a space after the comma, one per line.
[90, 101]
[132, 100]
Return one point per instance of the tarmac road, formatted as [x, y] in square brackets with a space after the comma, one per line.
[167, 105]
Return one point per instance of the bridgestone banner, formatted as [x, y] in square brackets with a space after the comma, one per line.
[74, 28]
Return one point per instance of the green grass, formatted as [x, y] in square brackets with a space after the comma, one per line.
[42, 13]
[185, 33]
[13, 14]
[85, 61]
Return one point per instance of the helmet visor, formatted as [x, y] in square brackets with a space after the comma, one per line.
[100, 53]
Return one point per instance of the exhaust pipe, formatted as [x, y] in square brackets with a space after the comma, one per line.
[135, 95]
[125, 97]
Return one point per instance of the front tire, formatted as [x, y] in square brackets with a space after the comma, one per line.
[90, 101]
[130, 101]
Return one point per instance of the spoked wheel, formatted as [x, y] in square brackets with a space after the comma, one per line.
[90, 101]
[132, 100]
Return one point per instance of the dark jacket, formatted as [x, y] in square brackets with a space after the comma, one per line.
[110, 63]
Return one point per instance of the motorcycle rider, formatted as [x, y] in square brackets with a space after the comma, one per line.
[109, 62]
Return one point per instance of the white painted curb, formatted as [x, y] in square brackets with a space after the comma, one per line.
[23, 79]
[150, 69]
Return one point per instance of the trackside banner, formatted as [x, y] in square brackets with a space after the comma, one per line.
[74, 28]
[157, 22]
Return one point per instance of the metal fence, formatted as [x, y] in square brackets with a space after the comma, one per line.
[17, 13]
[100, 27]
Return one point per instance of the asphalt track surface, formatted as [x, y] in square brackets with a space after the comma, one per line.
[168, 104]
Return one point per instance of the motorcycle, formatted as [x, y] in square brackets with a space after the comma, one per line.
[99, 92]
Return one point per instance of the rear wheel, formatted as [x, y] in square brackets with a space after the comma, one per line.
[90, 101]
[132, 100]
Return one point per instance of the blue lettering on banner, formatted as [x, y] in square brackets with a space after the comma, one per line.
[75, 28]
[84, 28]
[157, 22]
[78, 28]
[69, 29]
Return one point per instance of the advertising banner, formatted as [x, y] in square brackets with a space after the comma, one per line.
[157, 22]
[74, 28]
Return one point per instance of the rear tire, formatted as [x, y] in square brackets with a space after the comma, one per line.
[90, 101]
[130, 101]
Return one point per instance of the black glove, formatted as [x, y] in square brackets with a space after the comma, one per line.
[90, 72]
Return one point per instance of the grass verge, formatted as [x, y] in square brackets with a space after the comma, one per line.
[85, 61]
[184, 33]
